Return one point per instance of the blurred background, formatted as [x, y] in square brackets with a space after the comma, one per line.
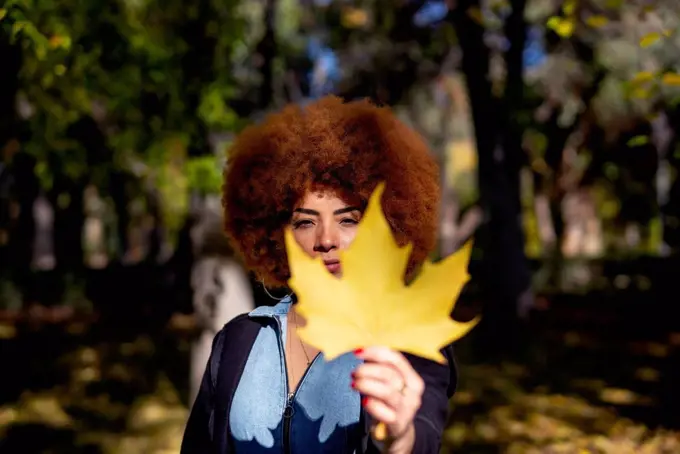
[556, 124]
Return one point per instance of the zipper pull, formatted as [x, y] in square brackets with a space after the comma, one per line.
[288, 411]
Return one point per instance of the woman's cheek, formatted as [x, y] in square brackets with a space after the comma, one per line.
[346, 238]
[305, 241]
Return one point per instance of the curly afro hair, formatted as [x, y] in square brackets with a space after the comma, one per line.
[344, 147]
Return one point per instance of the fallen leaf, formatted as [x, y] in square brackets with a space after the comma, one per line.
[649, 39]
[7, 331]
[44, 409]
[674, 339]
[671, 78]
[658, 350]
[370, 305]
[618, 396]
[642, 77]
[597, 21]
[648, 374]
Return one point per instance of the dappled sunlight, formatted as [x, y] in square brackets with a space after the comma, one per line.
[108, 400]
[115, 398]
[494, 409]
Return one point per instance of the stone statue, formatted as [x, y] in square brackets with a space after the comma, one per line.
[221, 288]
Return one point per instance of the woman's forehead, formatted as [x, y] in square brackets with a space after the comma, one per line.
[322, 198]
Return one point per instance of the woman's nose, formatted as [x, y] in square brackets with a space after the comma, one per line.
[327, 240]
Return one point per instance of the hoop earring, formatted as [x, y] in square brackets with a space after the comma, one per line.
[266, 290]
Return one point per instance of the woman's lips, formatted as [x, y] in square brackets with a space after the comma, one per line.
[333, 266]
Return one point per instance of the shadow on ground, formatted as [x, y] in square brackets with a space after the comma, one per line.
[73, 392]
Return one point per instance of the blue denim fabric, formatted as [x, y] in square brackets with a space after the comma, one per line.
[326, 410]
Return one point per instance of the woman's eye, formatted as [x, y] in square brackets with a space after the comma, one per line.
[302, 223]
[349, 221]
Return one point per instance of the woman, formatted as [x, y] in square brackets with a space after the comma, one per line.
[264, 390]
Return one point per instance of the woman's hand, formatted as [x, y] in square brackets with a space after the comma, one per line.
[391, 393]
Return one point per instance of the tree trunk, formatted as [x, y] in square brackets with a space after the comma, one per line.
[22, 231]
[267, 51]
[120, 198]
[503, 274]
[671, 209]
[67, 199]
[10, 55]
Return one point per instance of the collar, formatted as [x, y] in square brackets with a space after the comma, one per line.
[280, 309]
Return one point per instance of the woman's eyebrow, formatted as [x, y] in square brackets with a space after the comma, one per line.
[346, 210]
[336, 212]
[307, 211]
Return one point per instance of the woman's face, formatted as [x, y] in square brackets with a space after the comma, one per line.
[324, 224]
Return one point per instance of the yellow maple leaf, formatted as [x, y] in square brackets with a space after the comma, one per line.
[370, 304]
[671, 78]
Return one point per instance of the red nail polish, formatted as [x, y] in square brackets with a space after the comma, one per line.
[364, 401]
[358, 351]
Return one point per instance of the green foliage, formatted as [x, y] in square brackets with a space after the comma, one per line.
[204, 174]
[142, 70]
[135, 86]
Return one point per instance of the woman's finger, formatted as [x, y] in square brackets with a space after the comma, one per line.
[397, 360]
[379, 410]
[379, 371]
[378, 389]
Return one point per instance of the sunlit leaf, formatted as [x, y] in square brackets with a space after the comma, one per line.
[563, 27]
[17, 27]
[354, 17]
[3, 13]
[641, 93]
[642, 76]
[553, 22]
[60, 41]
[569, 7]
[638, 141]
[597, 21]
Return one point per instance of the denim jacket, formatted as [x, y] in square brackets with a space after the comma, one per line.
[243, 405]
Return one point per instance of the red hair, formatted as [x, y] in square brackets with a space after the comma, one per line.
[347, 148]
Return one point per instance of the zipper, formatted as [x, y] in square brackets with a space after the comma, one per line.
[289, 410]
